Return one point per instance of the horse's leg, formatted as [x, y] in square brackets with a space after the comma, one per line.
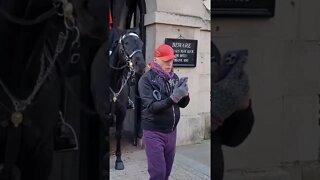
[120, 115]
[137, 113]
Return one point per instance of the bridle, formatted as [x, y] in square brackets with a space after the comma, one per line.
[125, 53]
[129, 64]
[122, 48]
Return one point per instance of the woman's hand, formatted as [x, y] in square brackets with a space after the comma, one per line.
[230, 93]
[245, 103]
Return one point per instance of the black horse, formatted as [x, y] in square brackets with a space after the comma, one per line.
[41, 49]
[128, 14]
[111, 76]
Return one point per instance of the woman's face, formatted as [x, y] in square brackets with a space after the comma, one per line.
[165, 65]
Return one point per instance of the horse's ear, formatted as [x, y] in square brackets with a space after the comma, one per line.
[136, 30]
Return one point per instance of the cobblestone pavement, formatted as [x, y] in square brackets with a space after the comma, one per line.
[134, 158]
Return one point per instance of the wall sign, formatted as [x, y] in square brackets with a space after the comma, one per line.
[238, 8]
[185, 51]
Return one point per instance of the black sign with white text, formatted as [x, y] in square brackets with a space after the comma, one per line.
[185, 51]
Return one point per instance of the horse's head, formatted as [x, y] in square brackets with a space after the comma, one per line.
[130, 48]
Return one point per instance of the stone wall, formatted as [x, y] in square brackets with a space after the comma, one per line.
[284, 71]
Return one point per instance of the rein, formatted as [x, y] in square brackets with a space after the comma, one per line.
[28, 22]
[21, 105]
[56, 6]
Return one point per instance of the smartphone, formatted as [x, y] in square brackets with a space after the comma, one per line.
[182, 80]
[229, 59]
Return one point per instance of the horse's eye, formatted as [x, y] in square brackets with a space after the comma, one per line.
[126, 43]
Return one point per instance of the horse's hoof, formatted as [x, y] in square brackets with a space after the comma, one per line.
[119, 165]
[141, 143]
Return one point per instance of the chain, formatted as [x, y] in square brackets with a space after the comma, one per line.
[21, 105]
[44, 75]
[69, 22]
[124, 82]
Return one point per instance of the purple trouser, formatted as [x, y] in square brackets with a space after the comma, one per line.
[160, 149]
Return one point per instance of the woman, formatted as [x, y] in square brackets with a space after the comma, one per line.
[231, 114]
[162, 94]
